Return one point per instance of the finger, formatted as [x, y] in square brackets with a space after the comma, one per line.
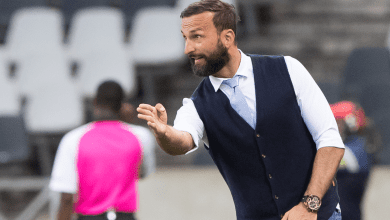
[160, 107]
[146, 117]
[144, 111]
[146, 106]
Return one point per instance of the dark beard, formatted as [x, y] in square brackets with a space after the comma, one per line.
[214, 63]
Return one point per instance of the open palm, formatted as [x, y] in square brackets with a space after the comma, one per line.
[156, 117]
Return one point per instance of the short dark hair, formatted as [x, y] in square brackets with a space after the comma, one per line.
[225, 16]
[110, 94]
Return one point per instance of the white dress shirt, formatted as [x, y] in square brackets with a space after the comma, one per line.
[314, 107]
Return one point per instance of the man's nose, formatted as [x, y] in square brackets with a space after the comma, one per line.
[188, 47]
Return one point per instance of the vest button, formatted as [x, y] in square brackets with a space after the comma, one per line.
[276, 197]
[263, 155]
[281, 215]
[270, 176]
[258, 135]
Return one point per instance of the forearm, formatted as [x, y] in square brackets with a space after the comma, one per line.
[175, 142]
[66, 207]
[325, 167]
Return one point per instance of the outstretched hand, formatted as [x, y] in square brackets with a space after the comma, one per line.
[156, 117]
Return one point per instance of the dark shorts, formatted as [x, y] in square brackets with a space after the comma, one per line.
[119, 216]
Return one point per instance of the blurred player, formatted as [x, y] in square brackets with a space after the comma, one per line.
[97, 165]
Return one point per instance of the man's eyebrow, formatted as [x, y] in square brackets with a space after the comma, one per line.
[195, 30]
[192, 31]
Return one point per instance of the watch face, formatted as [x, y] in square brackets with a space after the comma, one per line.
[313, 202]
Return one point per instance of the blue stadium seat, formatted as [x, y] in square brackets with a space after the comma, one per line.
[375, 98]
[383, 125]
[366, 80]
[365, 66]
[14, 145]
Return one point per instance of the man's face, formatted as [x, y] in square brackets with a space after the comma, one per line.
[203, 44]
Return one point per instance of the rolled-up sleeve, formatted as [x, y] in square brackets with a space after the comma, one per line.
[315, 109]
[188, 120]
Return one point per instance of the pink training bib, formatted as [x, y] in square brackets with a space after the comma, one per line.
[108, 162]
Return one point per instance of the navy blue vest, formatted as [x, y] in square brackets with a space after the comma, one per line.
[267, 169]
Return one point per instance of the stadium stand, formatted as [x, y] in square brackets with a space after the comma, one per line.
[53, 104]
[96, 45]
[15, 148]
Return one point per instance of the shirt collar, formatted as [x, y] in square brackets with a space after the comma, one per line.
[244, 69]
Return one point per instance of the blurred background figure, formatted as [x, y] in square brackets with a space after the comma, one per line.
[97, 165]
[362, 144]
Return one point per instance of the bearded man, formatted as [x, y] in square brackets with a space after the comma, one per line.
[263, 119]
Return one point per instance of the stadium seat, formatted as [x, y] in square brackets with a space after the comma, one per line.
[157, 44]
[375, 98]
[54, 104]
[96, 44]
[42, 72]
[14, 147]
[70, 7]
[365, 66]
[8, 7]
[131, 8]
[35, 29]
[9, 99]
[156, 38]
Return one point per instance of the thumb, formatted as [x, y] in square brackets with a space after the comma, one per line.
[285, 216]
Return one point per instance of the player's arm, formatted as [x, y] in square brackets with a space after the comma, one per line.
[66, 207]
[171, 140]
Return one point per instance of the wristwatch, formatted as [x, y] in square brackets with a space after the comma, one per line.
[312, 202]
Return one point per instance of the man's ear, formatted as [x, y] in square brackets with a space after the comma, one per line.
[228, 37]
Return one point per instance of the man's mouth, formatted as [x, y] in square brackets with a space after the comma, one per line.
[197, 59]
